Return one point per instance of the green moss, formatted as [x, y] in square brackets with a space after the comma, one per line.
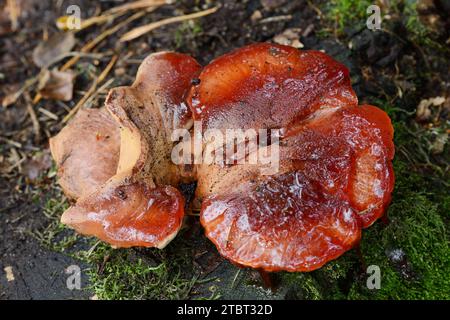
[120, 273]
[416, 228]
[55, 235]
[187, 31]
[123, 274]
[302, 286]
[343, 13]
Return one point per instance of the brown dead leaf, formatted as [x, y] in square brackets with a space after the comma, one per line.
[289, 37]
[56, 85]
[14, 13]
[38, 164]
[438, 145]
[10, 12]
[54, 49]
[424, 110]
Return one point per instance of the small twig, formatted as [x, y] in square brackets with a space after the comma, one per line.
[137, 5]
[276, 19]
[10, 99]
[93, 43]
[98, 20]
[316, 9]
[92, 89]
[49, 114]
[103, 87]
[76, 54]
[33, 117]
[11, 142]
[139, 31]
[19, 159]
[235, 278]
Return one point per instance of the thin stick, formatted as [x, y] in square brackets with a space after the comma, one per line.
[98, 20]
[93, 43]
[33, 117]
[139, 31]
[11, 142]
[49, 114]
[12, 98]
[14, 13]
[91, 90]
[97, 91]
[137, 5]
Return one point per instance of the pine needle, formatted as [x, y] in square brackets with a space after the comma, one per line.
[94, 42]
[137, 5]
[91, 90]
[139, 31]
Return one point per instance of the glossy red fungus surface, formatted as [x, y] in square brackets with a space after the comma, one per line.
[139, 205]
[335, 174]
[268, 86]
[333, 177]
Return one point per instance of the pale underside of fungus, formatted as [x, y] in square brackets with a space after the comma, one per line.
[334, 176]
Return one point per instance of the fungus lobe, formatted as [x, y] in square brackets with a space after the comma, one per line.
[335, 175]
[140, 205]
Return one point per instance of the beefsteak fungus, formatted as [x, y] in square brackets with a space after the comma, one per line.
[334, 176]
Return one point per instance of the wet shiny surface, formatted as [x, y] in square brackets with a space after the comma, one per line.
[268, 86]
[335, 174]
[139, 206]
[127, 214]
[298, 220]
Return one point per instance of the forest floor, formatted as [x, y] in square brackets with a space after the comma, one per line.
[402, 67]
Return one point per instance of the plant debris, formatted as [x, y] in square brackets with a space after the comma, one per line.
[54, 49]
[56, 85]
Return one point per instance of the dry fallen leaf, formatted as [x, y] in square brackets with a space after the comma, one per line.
[289, 37]
[54, 49]
[39, 163]
[438, 145]
[10, 12]
[56, 85]
[423, 112]
[9, 273]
